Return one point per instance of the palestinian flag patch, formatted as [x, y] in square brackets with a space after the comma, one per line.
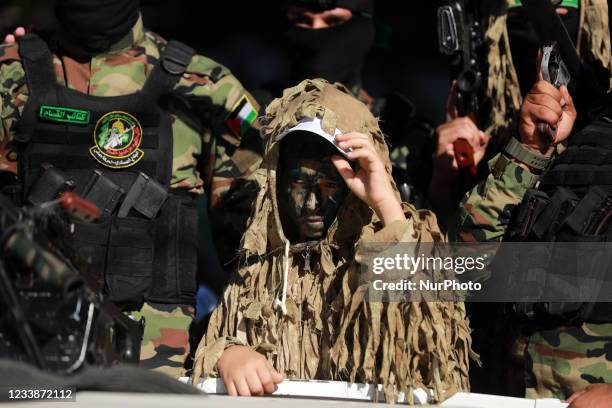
[242, 117]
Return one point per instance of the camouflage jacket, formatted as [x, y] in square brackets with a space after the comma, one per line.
[557, 362]
[484, 210]
[207, 152]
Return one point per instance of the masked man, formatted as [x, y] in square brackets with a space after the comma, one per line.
[331, 40]
[295, 305]
[512, 70]
[513, 46]
[563, 352]
[139, 126]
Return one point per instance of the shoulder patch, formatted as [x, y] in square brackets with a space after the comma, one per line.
[242, 116]
[201, 65]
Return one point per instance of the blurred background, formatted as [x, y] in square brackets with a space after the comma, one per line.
[249, 38]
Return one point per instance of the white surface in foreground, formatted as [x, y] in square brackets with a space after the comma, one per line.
[336, 390]
[127, 400]
[316, 389]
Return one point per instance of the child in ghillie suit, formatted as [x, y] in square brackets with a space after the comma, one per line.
[295, 308]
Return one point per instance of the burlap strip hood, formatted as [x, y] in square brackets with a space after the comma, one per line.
[322, 328]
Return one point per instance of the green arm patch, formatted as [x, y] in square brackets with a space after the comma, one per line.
[64, 115]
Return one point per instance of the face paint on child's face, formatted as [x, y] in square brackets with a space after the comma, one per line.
[313, 189]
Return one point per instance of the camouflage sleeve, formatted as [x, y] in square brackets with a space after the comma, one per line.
[232, 146]
[482, 210]
[13, 95]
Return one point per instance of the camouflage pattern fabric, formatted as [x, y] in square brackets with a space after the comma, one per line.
[207, 151]
[399, 156]
[561, 361]
[165, 342]
[480, 214]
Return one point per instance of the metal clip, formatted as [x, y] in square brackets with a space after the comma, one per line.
[307, 260]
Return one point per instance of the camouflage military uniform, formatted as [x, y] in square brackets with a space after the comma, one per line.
[207, 150]
[559, 361]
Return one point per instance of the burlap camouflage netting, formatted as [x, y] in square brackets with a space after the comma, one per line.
[324, 329]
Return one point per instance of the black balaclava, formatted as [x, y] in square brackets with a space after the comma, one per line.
[524, 44]
[336, 53]
[91, 27]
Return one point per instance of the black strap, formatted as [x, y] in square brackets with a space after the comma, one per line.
[553, 217]
[171, 66]
[37, 62]
[579, 219]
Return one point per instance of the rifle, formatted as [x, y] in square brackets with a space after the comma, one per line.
[460, 37]
[51, 317]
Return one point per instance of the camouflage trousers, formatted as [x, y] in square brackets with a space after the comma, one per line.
[561, 361]
[165, 342]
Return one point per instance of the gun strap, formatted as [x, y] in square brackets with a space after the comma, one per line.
[171, 66]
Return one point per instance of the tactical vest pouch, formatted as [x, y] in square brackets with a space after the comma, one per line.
[553, 217]
[11, 187]
[129, 261]
[103, 192]
[174, 278]
[526, 214]
[582, 220]
[146, 196]
[92, 239]
[51, 183]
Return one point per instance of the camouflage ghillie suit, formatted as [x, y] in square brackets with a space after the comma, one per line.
[320, 326]
[207, 150]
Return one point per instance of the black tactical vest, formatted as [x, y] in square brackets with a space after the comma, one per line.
[572, 203]
[117, 153]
